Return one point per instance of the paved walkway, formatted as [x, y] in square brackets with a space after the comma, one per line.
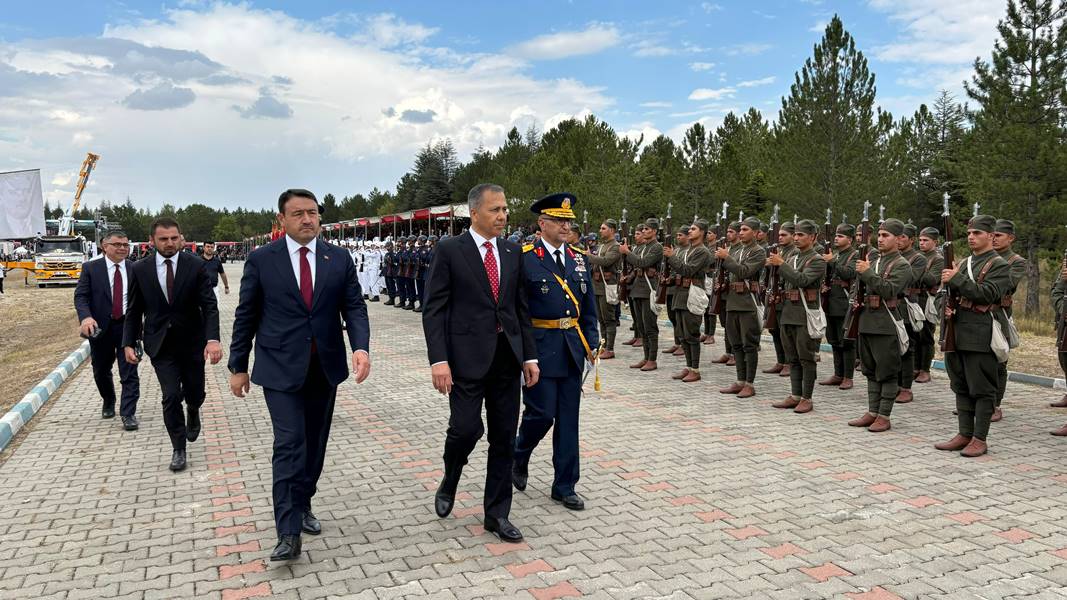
[690, 494]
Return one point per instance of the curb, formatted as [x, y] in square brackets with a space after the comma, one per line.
[23, 411]
[1056, 383]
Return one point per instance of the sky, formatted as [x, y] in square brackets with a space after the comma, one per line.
[227, 104]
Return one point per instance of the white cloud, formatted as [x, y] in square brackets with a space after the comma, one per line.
[748, 49]
[646, 129]
[710, 7]
[819, 26]
[655, 104]
[593, 39]
[388, 30]
[712, 94]
[701, 66]
[757, 82]
[945, 32]
[646, 48]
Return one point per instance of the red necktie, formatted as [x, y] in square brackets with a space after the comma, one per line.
[116, 295]
[305, 277]
[490, 270]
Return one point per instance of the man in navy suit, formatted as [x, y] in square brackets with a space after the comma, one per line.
[294, 293]
[479, 341]
[100, 300]
[563, 314]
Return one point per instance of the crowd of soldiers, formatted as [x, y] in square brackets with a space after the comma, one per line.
[405, 263]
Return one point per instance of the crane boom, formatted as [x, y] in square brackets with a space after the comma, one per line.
[66, 223]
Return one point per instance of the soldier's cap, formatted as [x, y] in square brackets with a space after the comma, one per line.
[433, 238]
[558, 206]
[1004, 226]
[529, 238]
[751, 222]
[640, 225]
[611, 223]
[764, 227]
[806, 226]
[422, 238]
[513, 238]
[702, 224]
[930, 232]
[652, 223]
[735, 225]
[893, 226]
[683, 229]
[910, 230]
[846, 229]
[789, 226]
[984, 223]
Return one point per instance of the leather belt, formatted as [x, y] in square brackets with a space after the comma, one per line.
[1007, 301]
[967, 304]
[810, 295]
[874, 302]
[841, 282]
[741, 287]
[564, 323]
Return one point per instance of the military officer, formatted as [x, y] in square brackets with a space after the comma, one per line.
[681, 240]
[389, 266]
[972, 368]
[688, 266]
[929, 284]
[1003, 237]
[645, 258]
[743, 262]
[786, 250]
[563, 310]
[843, 262]
[727, 357]
[885, 277]
[606, 265]
[710, 318]
[413, 264]
[802, 274]
[910, 295]
[1059, 307]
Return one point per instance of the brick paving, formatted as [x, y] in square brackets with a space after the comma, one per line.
[691, 494]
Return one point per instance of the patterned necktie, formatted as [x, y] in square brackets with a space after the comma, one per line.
[490, 270]
[170, 281]
[559, 261]
[305, 277]
[116, 295]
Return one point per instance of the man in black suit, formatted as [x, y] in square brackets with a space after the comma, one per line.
[169, 290]
[477, 327]
[100, 300]
[294, 293]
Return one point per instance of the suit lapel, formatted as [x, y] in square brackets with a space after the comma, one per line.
[322, 267]
[473, 256]
[284, 266]
[183, 274]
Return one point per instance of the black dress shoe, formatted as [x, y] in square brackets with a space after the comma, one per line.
[177, 461]
[108, 412]
[310, 524]
[192, 424]
[519, 477]
[130, 423]
[375, 299]
[445, 498]
[288, 548]
[503, 530]
[573, 502]
[418, 310]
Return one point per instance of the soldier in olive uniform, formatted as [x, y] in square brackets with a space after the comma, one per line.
[1003, 237]
[843, 263]
[929, 284]
[917, 263]
[972, 368]
[802, 274]
[688, 266]
[681, 240]
[743, 262]
[727, 357]
[1059, 307]
[708, 338]
[885, 278]
[606, 265]
[645, 258]
[786, 249]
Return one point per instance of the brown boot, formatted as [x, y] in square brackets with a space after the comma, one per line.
[864, 421]
[631, 341]
[638, 343]
[722, 360]
[650, 365]
[832, 380]
[681, 374]
[638, 365]
[692, 376]
[607, 355]
[775, 368]
[997, 415]
[1061, 432]
[846, 384]
[784, 372]
[976, 448]
[923, 377]
[1061, 403]
[731, 362]
[710, 341]
[679, 352]
[747, 391]
[670, 350]
[734, 388]
[904, 396]
[703, 338]
[880, 424]
[805, 406]
[789, 402]
[957, 443]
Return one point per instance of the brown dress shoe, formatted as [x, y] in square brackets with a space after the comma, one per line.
[790, 402]
[650, 365]
[710, 341]
[864, 421]
[607, 355]
[670, 350]
[957, 443]
[775, 368]
[638, 343]
[1061, 403]
[747, 392]
[733, 389]
[904, 396]
[784, 372]
[846, 384]
[631, 341]
[832, 380]
[638, 365]
[722, 360]
[923, 377]
[805, 406]
[1061, 432]
[880, 424]
[998, 414]
[679, 352]
[731, 362]
[681, 374]
[975, 449]
[691, 376]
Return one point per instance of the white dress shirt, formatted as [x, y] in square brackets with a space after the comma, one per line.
[161, 271]
[480, 242]
[120, 268]
[551, 250]
[294, 257]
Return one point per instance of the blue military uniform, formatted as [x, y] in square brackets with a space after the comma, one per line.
[389, 271]
[422, 264]
[560, 321]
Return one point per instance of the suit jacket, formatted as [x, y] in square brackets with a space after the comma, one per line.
[92, 297]
[272, 312]
[459, 317]
[193, 316]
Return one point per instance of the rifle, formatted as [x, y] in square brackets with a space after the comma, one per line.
[828, 233]
[852, 320]
[947, 338]
[664, 264]
[1061, 341]
[627, 274]
[774, 283]
[717, 305]
[585, 229]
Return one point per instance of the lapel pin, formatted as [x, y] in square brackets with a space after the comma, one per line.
[325, 257]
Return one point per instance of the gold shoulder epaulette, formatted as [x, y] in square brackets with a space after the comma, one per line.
[577, 249]
[527, 247]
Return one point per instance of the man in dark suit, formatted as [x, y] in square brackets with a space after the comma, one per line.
[294, 294]
[169, 290]
[100, 300]
[478, 336]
